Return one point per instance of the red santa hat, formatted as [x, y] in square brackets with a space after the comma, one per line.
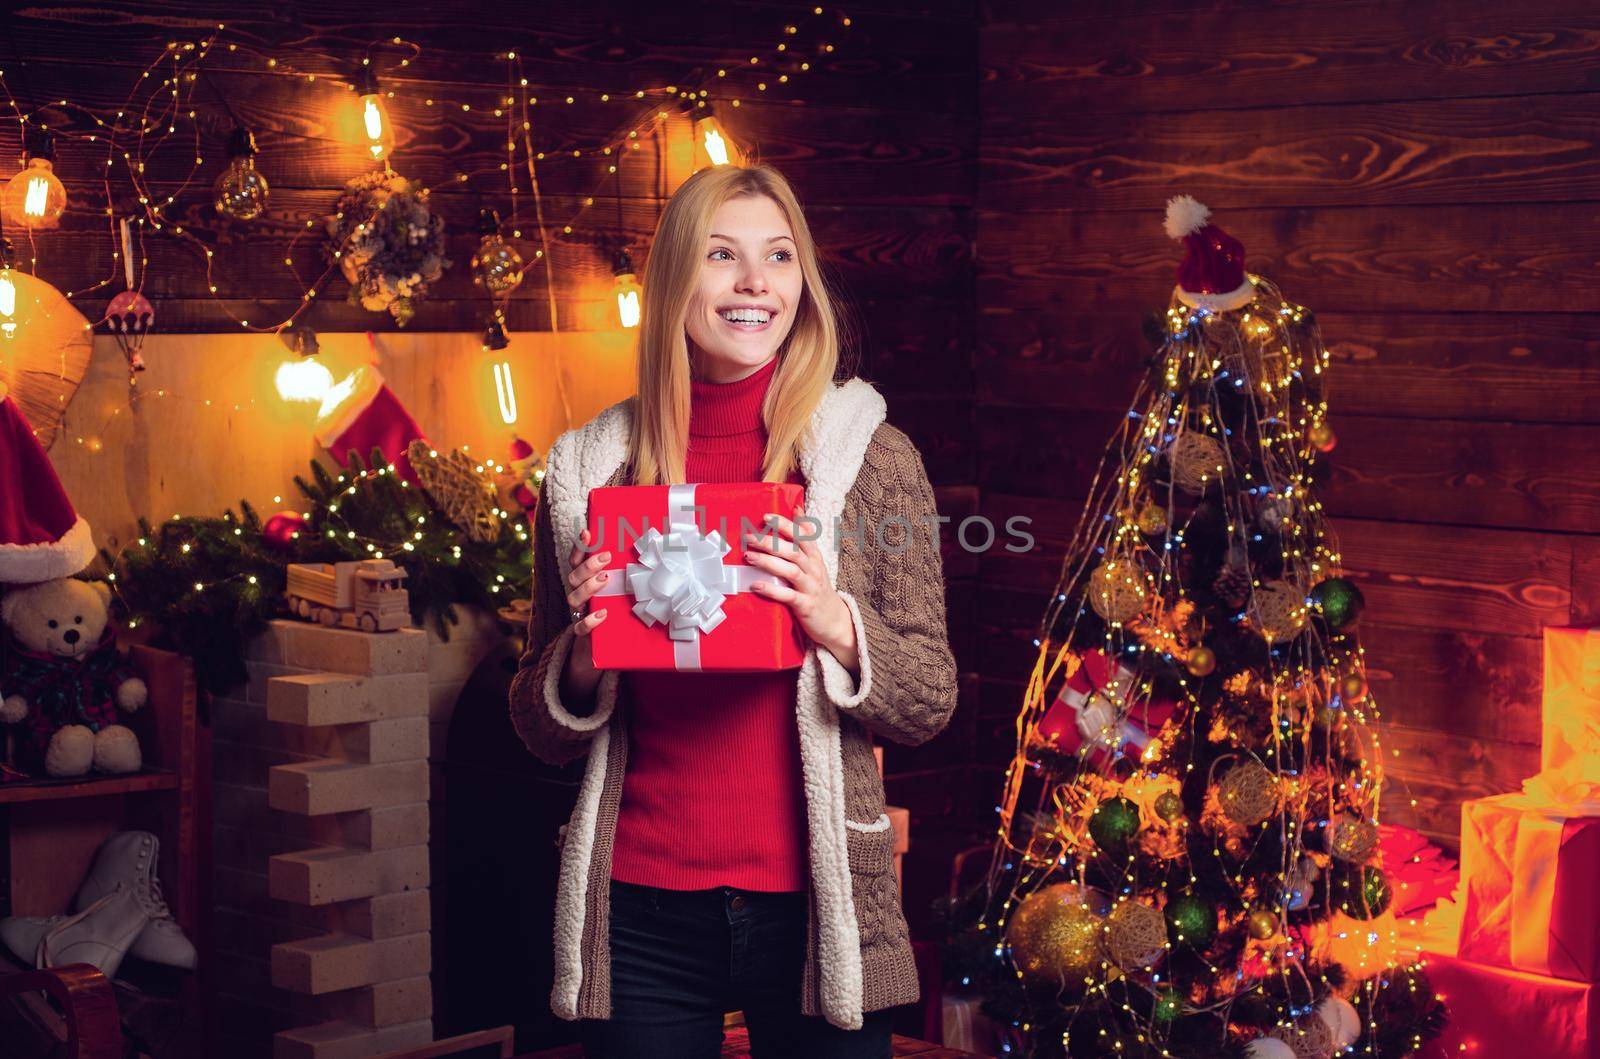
[41, 536]
[1212, 274]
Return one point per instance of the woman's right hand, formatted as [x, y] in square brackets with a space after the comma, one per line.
[585, 577]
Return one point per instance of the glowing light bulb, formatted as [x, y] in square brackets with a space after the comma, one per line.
[712, 144]
[241, 190]
[376, 129]
[34, 198]
[506, 392]
[303, 380]
[627, 290]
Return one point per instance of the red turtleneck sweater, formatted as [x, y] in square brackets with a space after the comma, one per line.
[713, 794]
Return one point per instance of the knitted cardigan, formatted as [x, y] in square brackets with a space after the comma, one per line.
[866, 485]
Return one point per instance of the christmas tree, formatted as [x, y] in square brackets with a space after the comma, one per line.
[1187, 861]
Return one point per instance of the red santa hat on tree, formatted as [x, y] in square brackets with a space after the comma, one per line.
[41, 536]
[1212, 274]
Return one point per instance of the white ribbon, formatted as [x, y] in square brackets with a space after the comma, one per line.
[1102, 713]
[680, 580]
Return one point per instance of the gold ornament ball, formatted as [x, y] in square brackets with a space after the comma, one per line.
[1248, 793]
[1202, 662]
[1279, 610]
[1351, 839]
[1169, 806]
[1323, 438]
[1055, 937]
[1197, 461]
[1263, 924]
[1152, 519]
[1136, 934]
[1117, 590]
[1352, 688]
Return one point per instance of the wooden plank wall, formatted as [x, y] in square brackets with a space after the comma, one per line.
[1424, 177]
[879, 139]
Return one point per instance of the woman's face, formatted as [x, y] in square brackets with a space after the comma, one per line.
[749, 291]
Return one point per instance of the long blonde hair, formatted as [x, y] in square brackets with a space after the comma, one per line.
[807, 360]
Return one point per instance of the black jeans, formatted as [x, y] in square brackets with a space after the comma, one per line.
[681, 958]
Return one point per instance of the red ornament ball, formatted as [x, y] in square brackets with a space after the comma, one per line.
[279, 530]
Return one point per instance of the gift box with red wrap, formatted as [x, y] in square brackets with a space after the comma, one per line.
[679, 594]
[1093, 706]
[1496, 1012]
[1530, 872]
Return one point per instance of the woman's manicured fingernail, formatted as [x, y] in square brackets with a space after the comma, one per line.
[605, 577]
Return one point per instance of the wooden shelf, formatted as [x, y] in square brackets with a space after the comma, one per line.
[90, 787]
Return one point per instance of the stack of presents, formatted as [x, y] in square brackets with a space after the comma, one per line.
[1516, 955]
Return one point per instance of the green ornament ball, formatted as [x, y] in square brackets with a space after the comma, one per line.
[1114, 823]
[1169, 807]
[1168, 1006]
[1364, 894]
[1339, 602]
[1191, 920]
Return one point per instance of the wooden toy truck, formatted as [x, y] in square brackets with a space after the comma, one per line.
[368, 594]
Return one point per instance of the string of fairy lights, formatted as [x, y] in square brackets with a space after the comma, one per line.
[1126, 564]
[165, 111]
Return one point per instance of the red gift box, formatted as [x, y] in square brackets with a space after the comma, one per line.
[1094, 705]
[1529, 872]
[679, 596]
[1496, 1012]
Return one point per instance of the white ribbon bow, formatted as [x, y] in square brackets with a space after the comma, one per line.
[679, 580]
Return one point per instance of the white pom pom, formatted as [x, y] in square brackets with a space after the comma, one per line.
[1185, 216]
[1341, 1018]
[1269, 1048]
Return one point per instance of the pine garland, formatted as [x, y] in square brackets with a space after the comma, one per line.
[210, 584]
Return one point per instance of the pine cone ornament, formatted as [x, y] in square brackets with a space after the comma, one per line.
[1233, 585]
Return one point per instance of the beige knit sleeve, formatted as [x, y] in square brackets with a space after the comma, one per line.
[550, 729]
[906, 689]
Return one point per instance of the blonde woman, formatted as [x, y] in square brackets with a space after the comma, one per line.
[729, 849]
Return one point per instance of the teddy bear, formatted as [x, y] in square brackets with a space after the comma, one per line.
[62, 680]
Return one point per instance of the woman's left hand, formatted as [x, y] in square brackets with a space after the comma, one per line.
[801, 580]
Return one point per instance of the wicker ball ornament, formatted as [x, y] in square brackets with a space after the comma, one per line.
[1279, 611]
[1197, 461]
[1055, 937]
[1308, 1038]
[1117, 590]
[1136, 935]
[1248, 793]
[1352, 839]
